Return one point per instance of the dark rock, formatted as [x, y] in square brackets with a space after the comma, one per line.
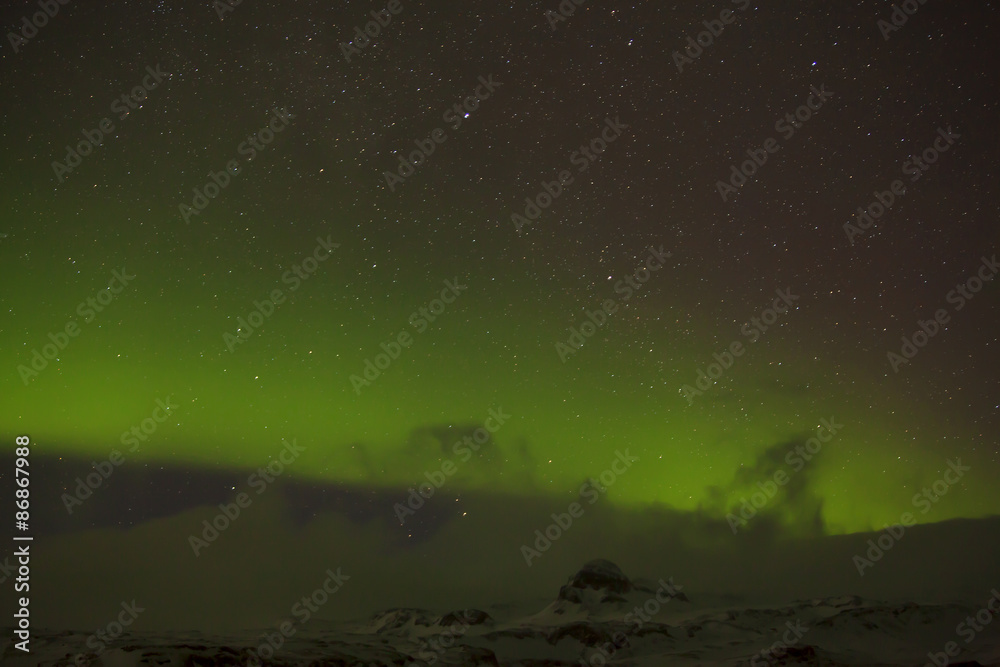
[601, 575]
[465, 617]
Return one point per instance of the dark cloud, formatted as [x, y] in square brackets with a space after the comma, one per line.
[757, 495]
[452, 554]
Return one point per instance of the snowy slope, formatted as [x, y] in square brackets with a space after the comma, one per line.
[594, 619]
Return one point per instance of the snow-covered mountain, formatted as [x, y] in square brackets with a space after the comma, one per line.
[599, 617]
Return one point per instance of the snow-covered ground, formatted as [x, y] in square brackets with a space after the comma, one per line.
[598, 617]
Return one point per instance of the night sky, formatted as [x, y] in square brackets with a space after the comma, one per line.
[566, 268]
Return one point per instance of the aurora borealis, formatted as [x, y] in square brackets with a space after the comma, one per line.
[245, 243]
